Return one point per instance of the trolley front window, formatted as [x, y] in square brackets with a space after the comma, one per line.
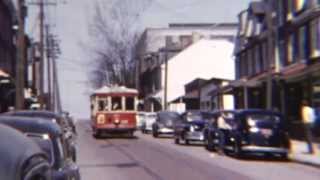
[116, 103]
[130, 104]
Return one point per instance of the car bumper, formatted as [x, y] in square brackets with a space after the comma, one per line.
[116, 130]
[263, 149]
[194, 136]
[165, 131]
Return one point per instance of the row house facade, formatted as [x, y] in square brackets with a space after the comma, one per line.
[278, 47]
[158, 45]
[7, 54]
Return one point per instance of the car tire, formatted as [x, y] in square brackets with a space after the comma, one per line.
[155, 134]
[176, 140]
[187, 142]
[284, 156]
[209, 144]
[237, 151]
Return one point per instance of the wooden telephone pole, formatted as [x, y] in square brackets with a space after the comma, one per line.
[20, 64]
[42, 4]
[48, 49]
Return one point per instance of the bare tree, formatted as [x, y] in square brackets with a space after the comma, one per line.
[115, 30]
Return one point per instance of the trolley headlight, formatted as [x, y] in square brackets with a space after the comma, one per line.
[117, 121]
[101, 119]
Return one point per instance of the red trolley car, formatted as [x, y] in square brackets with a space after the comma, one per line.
[113, 110]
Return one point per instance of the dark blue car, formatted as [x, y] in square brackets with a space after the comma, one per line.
[248, 131]
[190, 129]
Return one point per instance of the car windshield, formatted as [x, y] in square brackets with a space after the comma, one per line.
[169, 116]
[151, 116]
[45, 144]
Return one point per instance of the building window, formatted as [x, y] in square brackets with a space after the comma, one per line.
[265, 55]
[257, 59]
[250, 62]
[280, 8]
[303, 45]
[289, 10]
[315, 37]
[295, 47]
[289, 50]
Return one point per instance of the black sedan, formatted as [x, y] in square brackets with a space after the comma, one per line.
[164, 123]
[49, 137]
[68, 129]
[248, 131]
[191, 127]
[17, 152]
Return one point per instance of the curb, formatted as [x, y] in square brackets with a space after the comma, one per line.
[305, 162]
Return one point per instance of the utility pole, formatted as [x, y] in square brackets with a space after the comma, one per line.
[53, 52]
[41, 72]
[271, 55]
[41, 5]
[20, 64]
[48, 48]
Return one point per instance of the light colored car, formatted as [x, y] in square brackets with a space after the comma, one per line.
[140, 118]
[149, 119]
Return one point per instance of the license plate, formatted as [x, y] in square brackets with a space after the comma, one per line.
[266, 132]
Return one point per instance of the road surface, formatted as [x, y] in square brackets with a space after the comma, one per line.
[146, 158]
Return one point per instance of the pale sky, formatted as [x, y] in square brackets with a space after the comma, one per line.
[71, 21]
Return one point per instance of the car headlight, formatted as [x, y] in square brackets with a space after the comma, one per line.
[192, 128]
[254, 129]
[251, 123]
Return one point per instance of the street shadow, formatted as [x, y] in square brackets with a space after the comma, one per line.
[117, 165]
[191, 144]
[117, 136]
[164, 137]
[260, 157]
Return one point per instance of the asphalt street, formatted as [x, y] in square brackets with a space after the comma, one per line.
[146, 158]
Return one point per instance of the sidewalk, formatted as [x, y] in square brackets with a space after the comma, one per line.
[299, 154]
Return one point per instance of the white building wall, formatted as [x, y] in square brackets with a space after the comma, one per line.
[204, 59]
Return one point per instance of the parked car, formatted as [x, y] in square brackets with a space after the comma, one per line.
[70, 121]
[17, 151]
[49, 137]
[149, 119]
[68, 132]
[140, 119]
[248, 131]
[164, 123]
[190, 129]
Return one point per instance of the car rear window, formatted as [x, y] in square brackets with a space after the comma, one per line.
[264, 118]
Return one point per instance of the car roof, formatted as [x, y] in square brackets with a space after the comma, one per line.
[32, 125]
[250, 111]
[41, 113]
[15, 149]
